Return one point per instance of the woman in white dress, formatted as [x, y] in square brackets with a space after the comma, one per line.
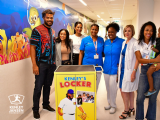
[77, 38]
[128, 73]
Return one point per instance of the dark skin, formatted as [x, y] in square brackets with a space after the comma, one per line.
[70, 96]
[152, 69]
[94, 32]
[48, 22]
[112, 34]
[148, 32]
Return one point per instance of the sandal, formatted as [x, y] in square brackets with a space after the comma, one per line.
[132, 110]
[125, 112]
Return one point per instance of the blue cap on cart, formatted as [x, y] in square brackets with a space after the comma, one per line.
[70, 91]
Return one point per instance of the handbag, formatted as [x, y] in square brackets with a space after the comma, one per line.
[67, 63]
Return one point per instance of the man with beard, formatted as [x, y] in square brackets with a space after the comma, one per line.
[42, 49]
[88, 98]
[68, 105]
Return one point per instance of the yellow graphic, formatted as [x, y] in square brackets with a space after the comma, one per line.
[63, 6]
[34, 18]
[83, 116]
[34, 21]
[4, 41]
[68, 85]
[70, 28]
[16, 48]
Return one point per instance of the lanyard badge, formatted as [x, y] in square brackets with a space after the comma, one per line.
[96, 56]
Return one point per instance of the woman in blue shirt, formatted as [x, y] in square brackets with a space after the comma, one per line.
[91, 50]
[112, 49]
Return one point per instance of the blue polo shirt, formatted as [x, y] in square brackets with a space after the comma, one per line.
[112, 54]
[88, 47]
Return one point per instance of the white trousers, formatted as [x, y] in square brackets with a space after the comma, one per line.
[111, 87]
[68, 117]
[98, 79]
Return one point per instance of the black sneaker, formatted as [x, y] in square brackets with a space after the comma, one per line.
[36, 114]
[49, 108]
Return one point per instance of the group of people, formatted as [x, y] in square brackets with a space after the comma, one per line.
[121, 61]
[86, 97]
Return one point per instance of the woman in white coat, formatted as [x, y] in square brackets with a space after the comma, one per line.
[128, 73]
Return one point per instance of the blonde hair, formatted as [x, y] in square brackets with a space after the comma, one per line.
[132, 28]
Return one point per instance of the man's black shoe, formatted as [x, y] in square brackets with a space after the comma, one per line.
[49, 108]
[36, 114]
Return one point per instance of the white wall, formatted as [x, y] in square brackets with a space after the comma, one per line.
[102, 31]
[156, 15]
[145, 11]
[16, 78]
[134, 23]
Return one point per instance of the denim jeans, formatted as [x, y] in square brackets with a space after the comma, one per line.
[143, 87]
[44, 79]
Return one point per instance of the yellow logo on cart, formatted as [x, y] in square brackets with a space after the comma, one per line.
[75, 81]
[74, 78]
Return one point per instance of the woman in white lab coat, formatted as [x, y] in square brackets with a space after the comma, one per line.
[128, 72]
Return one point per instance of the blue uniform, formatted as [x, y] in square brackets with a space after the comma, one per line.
[112, 54]
[87, 45]
[122, 67]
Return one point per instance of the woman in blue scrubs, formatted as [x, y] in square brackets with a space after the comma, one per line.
[112, 50]
[91, 50]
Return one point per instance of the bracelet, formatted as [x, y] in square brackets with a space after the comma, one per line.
[152, 48]
[135, 70]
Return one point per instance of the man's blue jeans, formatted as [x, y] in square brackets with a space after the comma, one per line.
[143, 87]
[44, 79]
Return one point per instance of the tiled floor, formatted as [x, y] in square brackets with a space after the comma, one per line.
[101, 102]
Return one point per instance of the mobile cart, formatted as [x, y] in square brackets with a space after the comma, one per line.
[80, 81]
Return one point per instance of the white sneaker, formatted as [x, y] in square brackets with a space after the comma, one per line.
[108, 107]
[112, 110]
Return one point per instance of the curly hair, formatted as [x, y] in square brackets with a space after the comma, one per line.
[48, 11]
[67, 41]
[141, 34]
[113, 25]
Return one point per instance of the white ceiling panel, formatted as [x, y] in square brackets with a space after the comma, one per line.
[126, 9]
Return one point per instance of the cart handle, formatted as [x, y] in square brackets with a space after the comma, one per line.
[100, 67]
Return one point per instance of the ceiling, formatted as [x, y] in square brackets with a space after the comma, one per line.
[117, 9]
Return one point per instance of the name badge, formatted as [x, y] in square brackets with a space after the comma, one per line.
[146, 51]
[96, 56]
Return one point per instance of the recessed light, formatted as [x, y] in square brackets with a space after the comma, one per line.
[98, 16]
[83, 2]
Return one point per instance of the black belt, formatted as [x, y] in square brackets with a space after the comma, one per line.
[71, 114]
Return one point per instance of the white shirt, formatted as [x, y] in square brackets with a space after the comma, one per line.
[145, 49]
[68, 106]
[76, 42]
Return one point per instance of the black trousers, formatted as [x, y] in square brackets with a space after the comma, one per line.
[75, 59]
[44, 79]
